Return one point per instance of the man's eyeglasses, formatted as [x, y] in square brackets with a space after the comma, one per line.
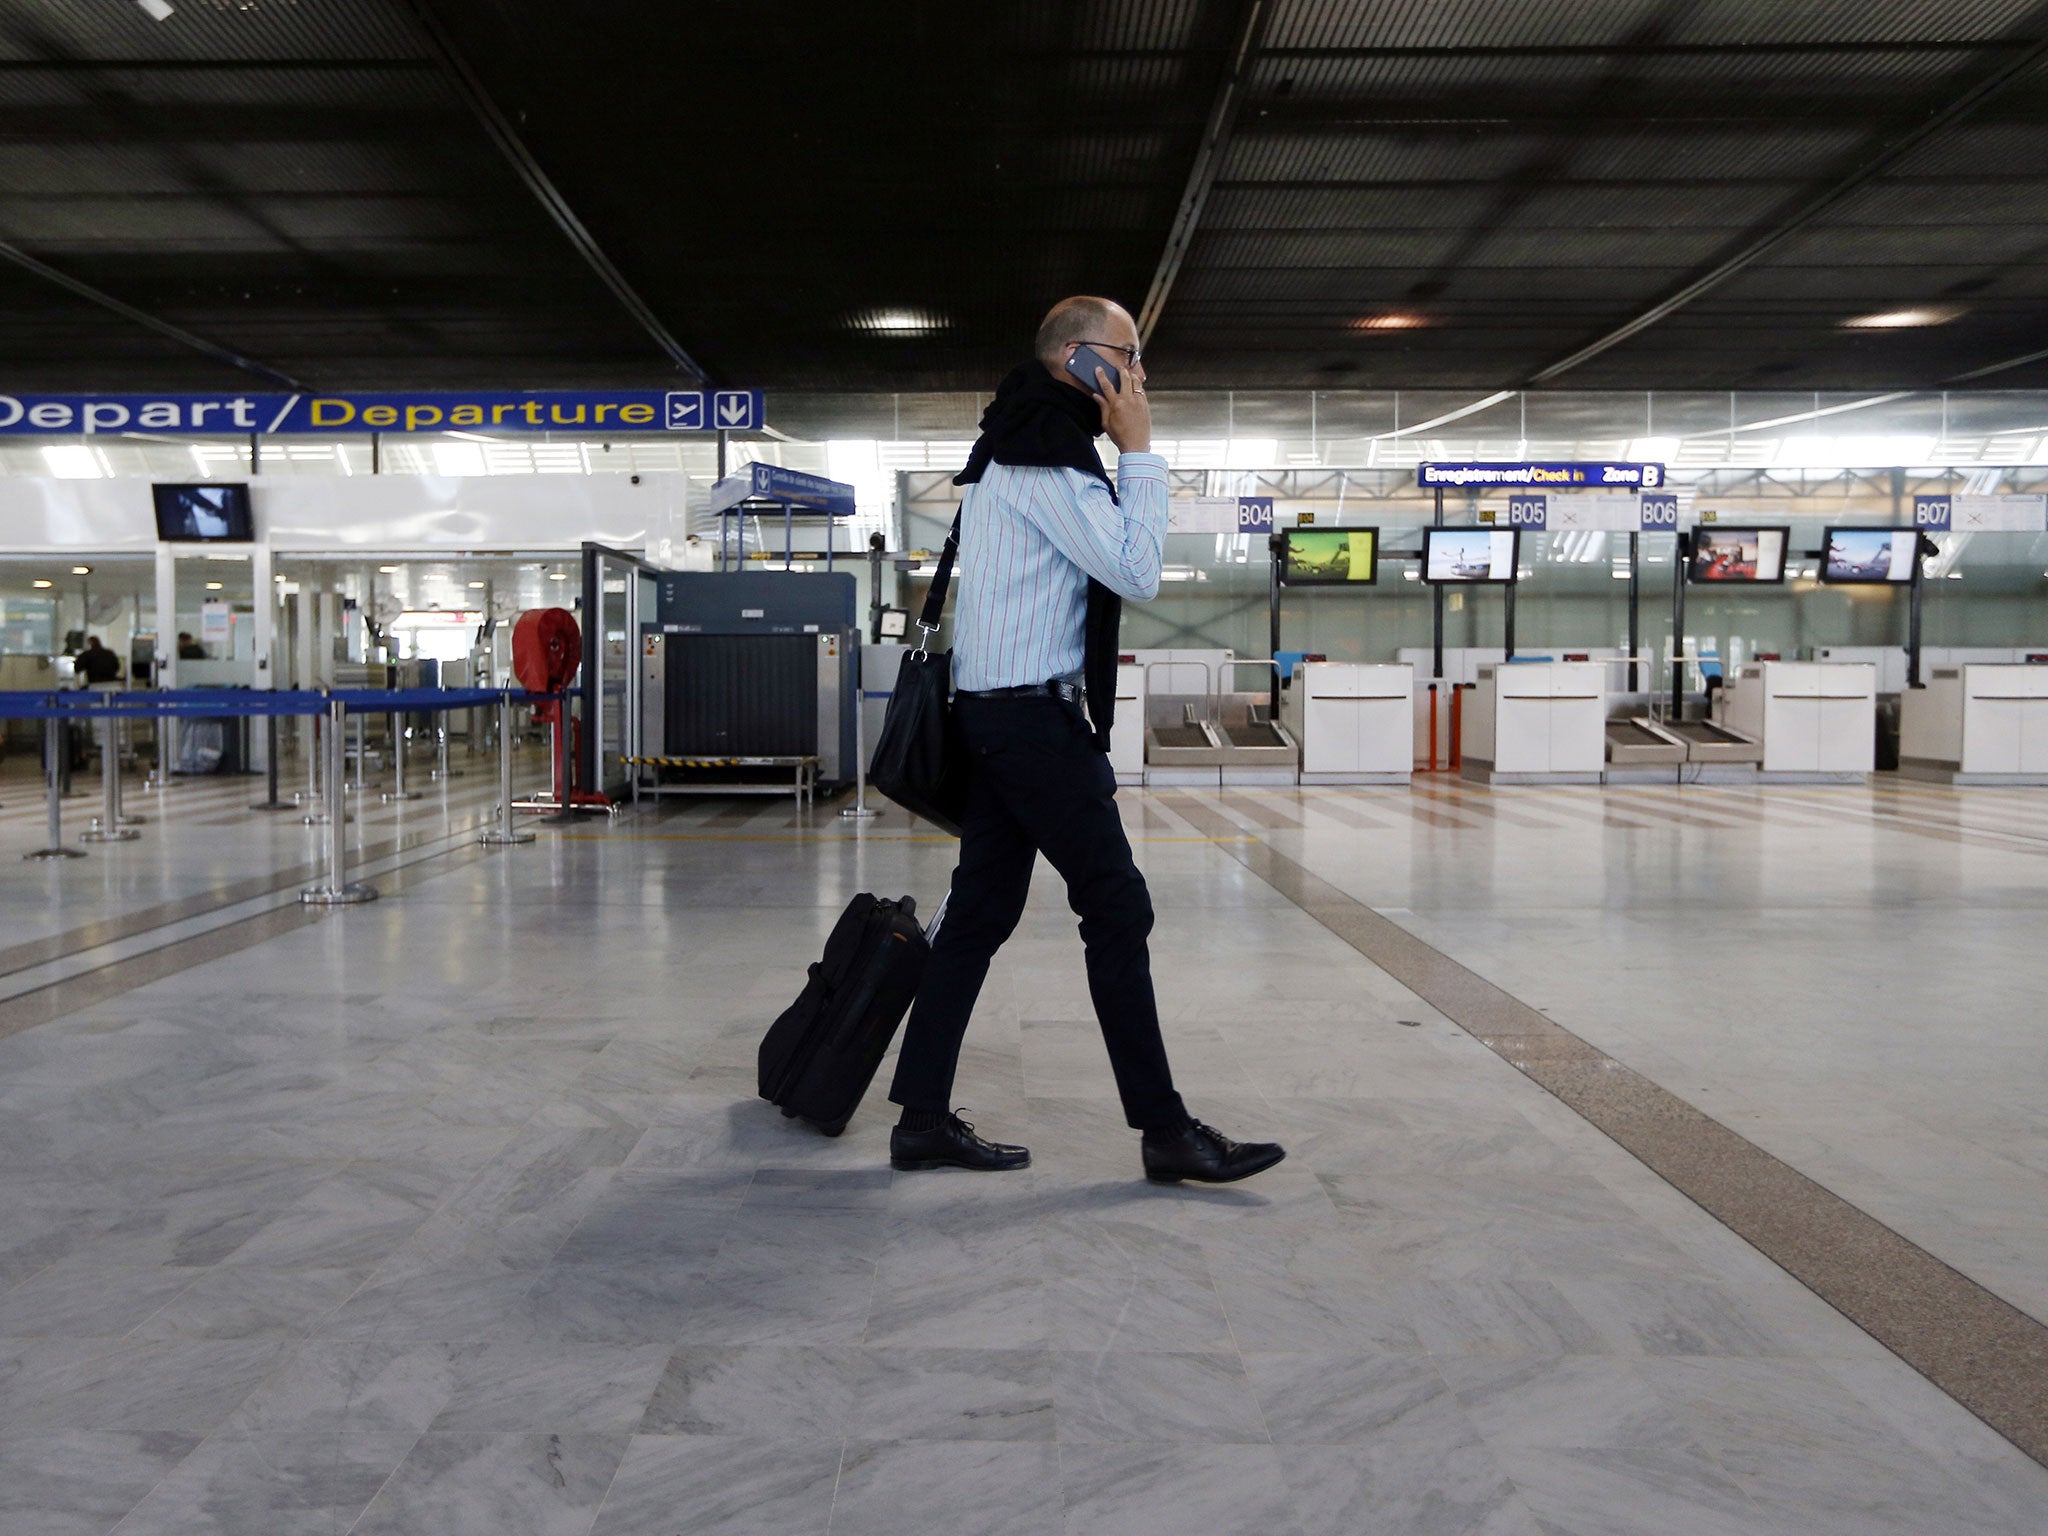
[1131, 354]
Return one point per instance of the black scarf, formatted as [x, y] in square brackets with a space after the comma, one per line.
[1036, 420]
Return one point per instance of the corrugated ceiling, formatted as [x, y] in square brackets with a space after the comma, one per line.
[306, 182]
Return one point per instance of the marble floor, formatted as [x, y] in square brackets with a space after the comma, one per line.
[456, 1213]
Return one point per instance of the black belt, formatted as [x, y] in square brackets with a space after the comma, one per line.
[1058, 688]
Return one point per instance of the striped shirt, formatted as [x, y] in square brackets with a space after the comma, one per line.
[1030, 537]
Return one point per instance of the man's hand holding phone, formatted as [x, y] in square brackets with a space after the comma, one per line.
[1126, 413]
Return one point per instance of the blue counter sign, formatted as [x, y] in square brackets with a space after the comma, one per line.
[1532, 512]
[1933, 513]
[1660, 512]
[1563, 477]
[1254, 514]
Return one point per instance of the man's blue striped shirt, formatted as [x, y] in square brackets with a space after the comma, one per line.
[1030, 537]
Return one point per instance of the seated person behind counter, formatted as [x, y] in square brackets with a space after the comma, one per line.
[190, 649]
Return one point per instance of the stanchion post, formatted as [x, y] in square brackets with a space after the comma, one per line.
[360, 755]
[270, 802]
[321, 807]
[53, 754]
[106, 827]
[505, 832]
[398, 790]
[860, 809]
[335, 890]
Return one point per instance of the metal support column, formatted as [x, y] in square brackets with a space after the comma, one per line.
[53, 753]
[336, 890]
[1508, 622]
[1635, 593]
[1678, 560]
[505, 832]
[106, 827]
[1436, 604]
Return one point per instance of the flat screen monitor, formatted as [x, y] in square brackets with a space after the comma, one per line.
[1463, 556]
[1737, 555]
[201, 514]
[1858, 557]
[1330, 557]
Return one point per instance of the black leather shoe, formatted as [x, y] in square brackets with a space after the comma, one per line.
[1205, 1155]
[952, 1144]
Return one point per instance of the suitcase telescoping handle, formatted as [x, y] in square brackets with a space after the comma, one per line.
[931, 929]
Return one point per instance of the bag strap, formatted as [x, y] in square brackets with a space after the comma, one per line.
[935, 599]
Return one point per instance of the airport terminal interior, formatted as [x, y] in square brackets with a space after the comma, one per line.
[472, 473]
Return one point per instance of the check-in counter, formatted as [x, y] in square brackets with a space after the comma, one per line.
[1127, 734]
[1984, 724]
[1356, 722]
[1542, 722]
[1816, 719]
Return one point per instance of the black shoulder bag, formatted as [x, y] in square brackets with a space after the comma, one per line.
[919, 761]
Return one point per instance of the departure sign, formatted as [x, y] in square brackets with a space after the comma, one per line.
[482, 410]
[1563, 477]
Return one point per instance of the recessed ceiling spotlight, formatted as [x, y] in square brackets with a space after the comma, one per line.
[899, 322]
[157, 10]
[1393, 320]
[1904, 319]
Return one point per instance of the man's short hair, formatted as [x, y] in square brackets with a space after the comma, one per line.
[1077, 319]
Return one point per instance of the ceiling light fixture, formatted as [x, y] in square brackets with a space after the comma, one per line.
[157, 10]
[40, 582]
[476, 586]
[213, 586]
[899, 322]
[556, 576]
[81, 570]
[387, 570]
[1392, 321]
[1904, 319]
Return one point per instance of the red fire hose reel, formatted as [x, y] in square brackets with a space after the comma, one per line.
[547, 651]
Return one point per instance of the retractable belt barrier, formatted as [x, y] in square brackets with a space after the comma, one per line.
[54, 708]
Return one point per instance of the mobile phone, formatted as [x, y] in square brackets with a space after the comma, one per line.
[1085, 361]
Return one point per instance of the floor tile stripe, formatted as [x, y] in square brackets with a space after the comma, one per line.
[1985, 1353]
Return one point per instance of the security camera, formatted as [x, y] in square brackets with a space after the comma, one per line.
[636, 479]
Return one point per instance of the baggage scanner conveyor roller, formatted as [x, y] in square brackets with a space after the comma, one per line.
[1642, 744]
[1706, 742]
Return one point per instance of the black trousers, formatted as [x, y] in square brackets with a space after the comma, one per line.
[1040, 786]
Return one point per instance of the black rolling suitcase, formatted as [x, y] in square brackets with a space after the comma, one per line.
[819, 1057]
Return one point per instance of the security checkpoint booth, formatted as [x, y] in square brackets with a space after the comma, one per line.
[749, 677]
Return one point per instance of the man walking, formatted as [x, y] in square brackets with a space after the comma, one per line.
[1048, 550]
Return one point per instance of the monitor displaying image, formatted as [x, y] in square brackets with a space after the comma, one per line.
[1737, 555]
[1330, 557]
[1870, 556]
[1463, 555]
[199, 514]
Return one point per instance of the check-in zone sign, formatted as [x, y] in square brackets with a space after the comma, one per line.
[1981, 514]
[1651, 512]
